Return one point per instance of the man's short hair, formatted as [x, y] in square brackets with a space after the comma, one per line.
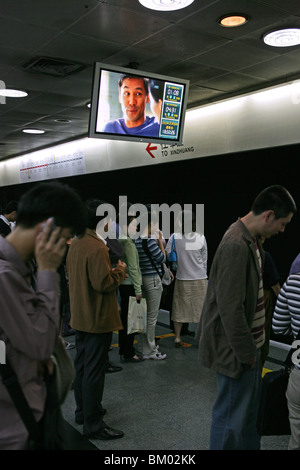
[275, 198]
[11, 206]
[92, 206]
[56, 200]
[123, 76]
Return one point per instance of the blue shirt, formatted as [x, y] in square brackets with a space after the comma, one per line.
[150, 128]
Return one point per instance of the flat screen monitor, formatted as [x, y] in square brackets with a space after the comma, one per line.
[129, 104]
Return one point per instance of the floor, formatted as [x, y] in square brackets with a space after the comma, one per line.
[163, 405]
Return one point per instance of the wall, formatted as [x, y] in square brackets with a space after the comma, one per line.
[264, 119]
[254, 142]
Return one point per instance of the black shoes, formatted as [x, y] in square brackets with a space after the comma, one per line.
[105, 434]
[131, 359]
[111, 368]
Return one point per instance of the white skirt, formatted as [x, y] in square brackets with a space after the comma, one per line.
[188, 300]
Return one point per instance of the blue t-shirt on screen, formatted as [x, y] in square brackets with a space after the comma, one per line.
[149, 128]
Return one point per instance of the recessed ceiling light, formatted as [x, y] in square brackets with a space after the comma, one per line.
[283, 37]
[12, 93]
[165, 5]
[33, 131]
[63, 121]
[231, 21]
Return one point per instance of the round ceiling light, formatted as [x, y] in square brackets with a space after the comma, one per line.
[165, 5]
[33, 131]
[231, 21]
[11, 93]
[283, 37]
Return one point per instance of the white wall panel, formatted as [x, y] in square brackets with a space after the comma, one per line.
[268, 118]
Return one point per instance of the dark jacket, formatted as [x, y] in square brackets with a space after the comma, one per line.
[4, 228]
[226, 341]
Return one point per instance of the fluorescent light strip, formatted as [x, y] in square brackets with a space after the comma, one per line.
[11, 93]
[33, 131]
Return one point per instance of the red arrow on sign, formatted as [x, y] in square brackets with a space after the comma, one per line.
[149, 148]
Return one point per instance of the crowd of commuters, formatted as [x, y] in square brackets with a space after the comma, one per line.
[234, 308]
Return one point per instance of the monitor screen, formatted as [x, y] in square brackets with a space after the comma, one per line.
[129, 104]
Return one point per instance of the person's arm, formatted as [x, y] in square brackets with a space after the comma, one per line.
[30, 320]
[169, 245]
[230, 287]
[133, 268]
[157, 250]
[102, 277]
[204, 254]
[276, 289]
[281, 321]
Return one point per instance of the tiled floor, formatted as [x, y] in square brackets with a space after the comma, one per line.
[163, 405]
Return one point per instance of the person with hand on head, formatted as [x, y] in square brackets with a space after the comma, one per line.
[231, 326]
[30, 314]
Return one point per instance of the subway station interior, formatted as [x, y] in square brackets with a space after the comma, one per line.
[241, 133]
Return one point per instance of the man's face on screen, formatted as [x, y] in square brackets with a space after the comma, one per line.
[133, 99]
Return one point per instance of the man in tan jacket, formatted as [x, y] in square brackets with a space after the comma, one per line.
[94, 316]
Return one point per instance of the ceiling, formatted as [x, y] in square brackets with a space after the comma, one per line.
[188, 43]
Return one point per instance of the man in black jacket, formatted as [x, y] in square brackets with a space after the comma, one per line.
[9, 215]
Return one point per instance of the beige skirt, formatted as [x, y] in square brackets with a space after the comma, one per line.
[188, 300]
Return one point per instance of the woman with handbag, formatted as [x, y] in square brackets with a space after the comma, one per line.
[191, 275]
[151, 256]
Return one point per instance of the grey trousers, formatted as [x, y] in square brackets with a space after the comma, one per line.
[152, 291]
[293, 399]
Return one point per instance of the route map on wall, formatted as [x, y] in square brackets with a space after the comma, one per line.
[52, 166]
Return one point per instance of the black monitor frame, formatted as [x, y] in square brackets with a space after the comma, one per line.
[181, 87]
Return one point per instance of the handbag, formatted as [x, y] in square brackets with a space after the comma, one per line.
[137, 316]
[173, 255]
[166, 277]
[49, 432]
[273, 415]
[64, 370]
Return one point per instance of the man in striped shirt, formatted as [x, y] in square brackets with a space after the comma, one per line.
[286, 321]
[232, 321]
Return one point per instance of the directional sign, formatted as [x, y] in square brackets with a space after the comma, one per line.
[149, 148]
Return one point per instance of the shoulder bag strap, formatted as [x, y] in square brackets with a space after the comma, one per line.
[147, 251]
[10, 380]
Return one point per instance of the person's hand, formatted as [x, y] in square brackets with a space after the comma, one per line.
[138, 298]
[251, 364]
[159, 235]
[49, 248]
[123, 266]
[42, 366]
